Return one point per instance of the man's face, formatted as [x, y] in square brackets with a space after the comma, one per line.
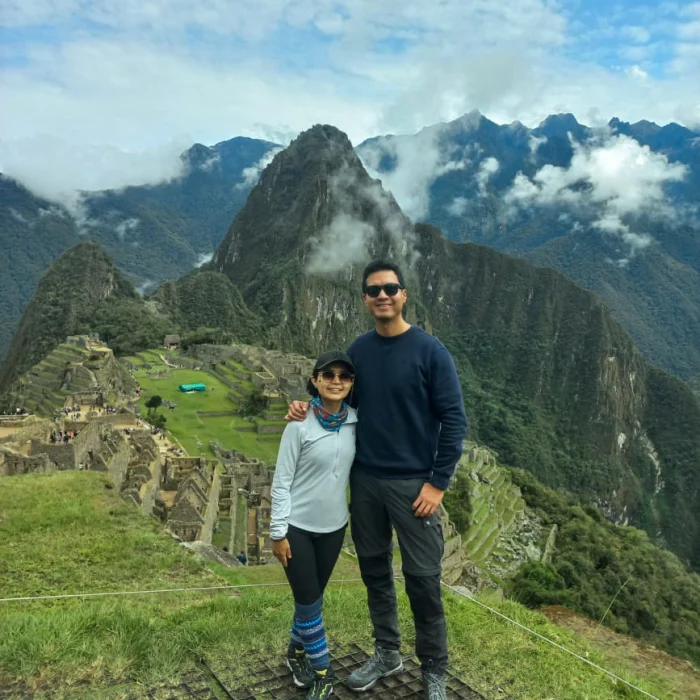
[384, 307]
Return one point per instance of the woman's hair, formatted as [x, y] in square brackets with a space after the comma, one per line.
[311, 389]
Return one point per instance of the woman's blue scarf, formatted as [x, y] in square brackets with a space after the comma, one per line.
[330, 421]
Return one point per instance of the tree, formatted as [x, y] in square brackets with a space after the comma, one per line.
[255, 403]
[154, 403]
[159, 421]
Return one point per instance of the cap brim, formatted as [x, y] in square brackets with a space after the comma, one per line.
[337, 362]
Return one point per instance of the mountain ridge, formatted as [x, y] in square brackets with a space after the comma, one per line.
[551, 380]
[161, 231]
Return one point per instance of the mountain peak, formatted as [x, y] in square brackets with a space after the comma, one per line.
[314, 212]
[69, 292]
[470, 120]
[310, 186]
[561, 125]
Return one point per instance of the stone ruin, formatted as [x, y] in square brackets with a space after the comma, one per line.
[250, 479]
[276, 373]
[81, 366]
[190, 490]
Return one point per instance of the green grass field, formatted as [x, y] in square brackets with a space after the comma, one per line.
[70, 532]
[193, 431]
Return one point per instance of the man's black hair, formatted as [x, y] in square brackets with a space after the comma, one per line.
[381, 266]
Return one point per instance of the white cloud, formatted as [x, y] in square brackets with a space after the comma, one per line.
[637, 73]
[145, 286]
[418, 161]
[114, 112]
[343, 243]
[56, 169]
[123, 227]
[203, 258]
[210, 163]
[617, 175]
[134, 75]
[17, 216]
[488, 167]
[457, 206]
[252, 174]
[534, 143]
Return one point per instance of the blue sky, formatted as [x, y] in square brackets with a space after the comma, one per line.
[91, 87]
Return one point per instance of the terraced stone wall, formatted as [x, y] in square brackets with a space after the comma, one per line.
[503, 532]
[12, 463]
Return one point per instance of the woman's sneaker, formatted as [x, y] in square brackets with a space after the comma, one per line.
[301, 669]
[384, 662]
[322, 685]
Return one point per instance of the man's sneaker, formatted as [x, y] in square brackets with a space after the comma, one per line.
[301, 669]
[322, 685]
[384, 662]
[434, 686]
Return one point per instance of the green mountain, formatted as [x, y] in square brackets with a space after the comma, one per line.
[81, 292]
[466, 167]
[152, 232]
[316, 185]
[551, 380]
[645, 266]
[209, 300]
[34, 232]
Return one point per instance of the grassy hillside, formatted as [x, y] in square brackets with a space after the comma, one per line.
[69, 532]
[188, 422]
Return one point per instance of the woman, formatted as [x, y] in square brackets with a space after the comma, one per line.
[310, 513]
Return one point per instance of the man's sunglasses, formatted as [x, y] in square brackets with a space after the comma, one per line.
[374, 290]
[329, 376]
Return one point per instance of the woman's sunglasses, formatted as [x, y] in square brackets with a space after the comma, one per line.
[329, 376]
[373, 290]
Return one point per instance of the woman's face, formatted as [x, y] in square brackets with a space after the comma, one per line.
[334, 382]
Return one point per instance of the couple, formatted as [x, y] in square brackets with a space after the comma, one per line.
[405, 409]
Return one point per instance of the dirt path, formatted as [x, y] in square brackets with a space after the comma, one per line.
[631, 652]
[168, 364]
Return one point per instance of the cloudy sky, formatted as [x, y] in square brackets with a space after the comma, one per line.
[103, 93]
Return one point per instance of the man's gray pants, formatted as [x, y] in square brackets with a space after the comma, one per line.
[376, 506]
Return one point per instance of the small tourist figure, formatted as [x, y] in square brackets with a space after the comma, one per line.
[310, 513]
[242, 558]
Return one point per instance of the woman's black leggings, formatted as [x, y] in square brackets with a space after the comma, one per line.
[314, 555]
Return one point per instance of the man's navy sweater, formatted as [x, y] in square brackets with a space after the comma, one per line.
[411, 420]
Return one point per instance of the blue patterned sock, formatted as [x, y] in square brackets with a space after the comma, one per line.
[296, 643]
[309, 623]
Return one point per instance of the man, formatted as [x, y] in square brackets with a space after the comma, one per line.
[411, 426]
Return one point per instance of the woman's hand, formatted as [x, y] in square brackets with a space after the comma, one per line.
[297, 410]
[282, 551]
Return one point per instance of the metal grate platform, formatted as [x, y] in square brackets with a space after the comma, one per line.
[266, 677]
[196, 684]
[269, 679]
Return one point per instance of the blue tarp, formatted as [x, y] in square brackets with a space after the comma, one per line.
[193, 387]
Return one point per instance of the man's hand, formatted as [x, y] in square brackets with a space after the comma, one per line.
[428, 501]
[297, 410]
[282, 551]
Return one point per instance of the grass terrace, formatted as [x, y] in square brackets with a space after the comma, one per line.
[69, 532]
[192, 422]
